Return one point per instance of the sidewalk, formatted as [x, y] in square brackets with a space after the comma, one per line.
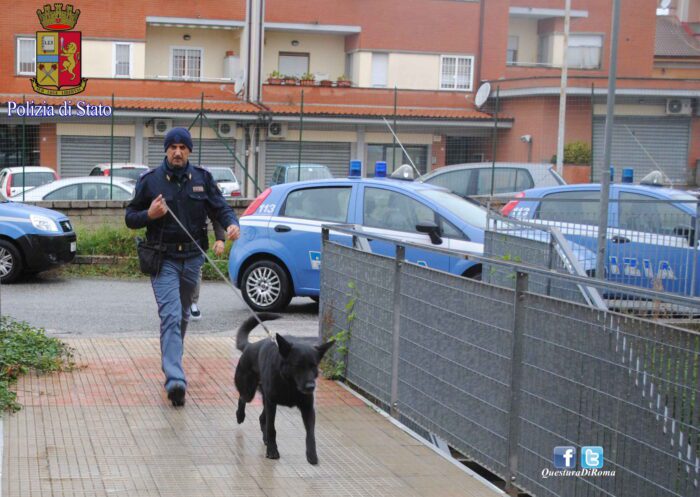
[107, 429]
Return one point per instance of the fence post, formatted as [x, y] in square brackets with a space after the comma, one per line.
[516, 368]
[396, 325]
[550, 264]
[694, 248]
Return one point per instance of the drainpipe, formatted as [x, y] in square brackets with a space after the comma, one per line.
[481, 41]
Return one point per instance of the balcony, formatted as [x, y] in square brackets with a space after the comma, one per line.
[192, 49]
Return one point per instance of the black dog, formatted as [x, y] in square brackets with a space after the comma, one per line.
[285, 374]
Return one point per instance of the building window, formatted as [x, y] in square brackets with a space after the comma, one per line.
[456, 72]
[293, 64]
[584, 51]
[544, 51]
[512, 53]
[122, 60]
[187, 63]
[26, 56]
[380, 70]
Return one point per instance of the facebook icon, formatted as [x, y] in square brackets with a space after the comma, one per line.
[565, 457]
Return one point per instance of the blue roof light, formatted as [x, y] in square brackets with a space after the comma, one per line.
[355, 168]
[380, 169]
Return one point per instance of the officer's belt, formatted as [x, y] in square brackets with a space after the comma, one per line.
[181, 247]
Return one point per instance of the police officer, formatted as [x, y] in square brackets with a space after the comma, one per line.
[191, 194]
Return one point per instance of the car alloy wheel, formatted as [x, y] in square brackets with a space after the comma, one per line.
[10, 262]
[266, 286]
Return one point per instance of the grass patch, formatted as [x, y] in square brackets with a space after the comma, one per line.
[24, 349]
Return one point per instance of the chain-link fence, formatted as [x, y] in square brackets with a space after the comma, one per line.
[505, 375]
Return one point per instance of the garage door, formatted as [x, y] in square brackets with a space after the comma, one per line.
[645, 145]
[79, 154]
[335, 155]
[214, 153]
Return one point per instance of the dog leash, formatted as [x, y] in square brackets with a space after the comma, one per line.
[216, 268]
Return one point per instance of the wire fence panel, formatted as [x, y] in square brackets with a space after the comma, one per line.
[506, 376]
[369, 357]
[453, 372]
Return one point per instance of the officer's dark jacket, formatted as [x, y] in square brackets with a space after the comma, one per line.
[191, 199]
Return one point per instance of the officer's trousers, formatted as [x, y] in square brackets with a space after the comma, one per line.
[173, 288]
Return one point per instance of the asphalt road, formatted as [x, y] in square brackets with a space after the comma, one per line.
[88, 307]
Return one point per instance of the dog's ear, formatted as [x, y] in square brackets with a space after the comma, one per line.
[284, 346]
[323, 348]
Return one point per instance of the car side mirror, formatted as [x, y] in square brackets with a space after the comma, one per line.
[432, 230]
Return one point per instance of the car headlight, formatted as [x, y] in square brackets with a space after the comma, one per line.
[43, 223]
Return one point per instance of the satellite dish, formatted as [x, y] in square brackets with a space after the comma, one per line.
[665, 4]
[482, 95]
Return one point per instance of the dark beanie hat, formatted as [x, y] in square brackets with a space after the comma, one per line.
[178, 135]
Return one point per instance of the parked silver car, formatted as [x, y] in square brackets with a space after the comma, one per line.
[473, 179]
[226, 181]
[80, 188]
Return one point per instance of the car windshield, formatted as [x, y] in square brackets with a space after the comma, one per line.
[307, 173]
[31, 179]
[467, 211]
[223, 175]
[128, 173]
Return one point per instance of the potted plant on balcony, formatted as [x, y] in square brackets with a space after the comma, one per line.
[326, 82]
[343, 82]
[275, 78]
[290, 80]
[307, 79]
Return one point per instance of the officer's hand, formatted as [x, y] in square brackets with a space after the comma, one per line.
[158, 208]
[218, 248]
[233, 232]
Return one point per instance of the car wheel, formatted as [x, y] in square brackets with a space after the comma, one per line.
[474, 273]
[10, 262]
[266, 287]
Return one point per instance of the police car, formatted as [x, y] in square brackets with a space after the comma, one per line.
[651, 239]
[279, 253]
[33, 239]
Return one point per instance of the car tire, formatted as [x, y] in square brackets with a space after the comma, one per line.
[10, 262]
[266, 287]
[473, 274]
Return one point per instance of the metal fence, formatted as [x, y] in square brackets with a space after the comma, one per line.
[651, 244]
[504, 375]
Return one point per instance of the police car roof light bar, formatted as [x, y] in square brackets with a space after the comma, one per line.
[355, 168]
[380, 169]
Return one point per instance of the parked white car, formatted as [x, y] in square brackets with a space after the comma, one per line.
[13, 182]
[226, 181]
[81, 188]
[119, 170]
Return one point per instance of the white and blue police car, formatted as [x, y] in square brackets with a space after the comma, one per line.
[651, 238]
[278, 255]
[33, 239]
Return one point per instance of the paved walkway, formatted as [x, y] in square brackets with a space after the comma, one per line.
[107, 429]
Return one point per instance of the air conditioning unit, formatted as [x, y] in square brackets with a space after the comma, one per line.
[229, 129]
[679, 106]
[277, 130]
[161, 126]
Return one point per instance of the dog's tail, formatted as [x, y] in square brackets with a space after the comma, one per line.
[248, 326]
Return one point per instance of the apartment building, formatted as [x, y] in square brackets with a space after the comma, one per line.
[414, 64]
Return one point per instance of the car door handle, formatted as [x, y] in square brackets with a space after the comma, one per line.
[619, 239]
[281, 228]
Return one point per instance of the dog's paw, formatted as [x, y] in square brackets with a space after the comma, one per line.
[240, 416]
[312, 458]
[272, 453]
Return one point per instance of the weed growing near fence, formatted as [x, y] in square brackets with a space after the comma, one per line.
[334, 365]
[24, 349]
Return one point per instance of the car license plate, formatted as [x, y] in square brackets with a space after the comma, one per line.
[73, 246]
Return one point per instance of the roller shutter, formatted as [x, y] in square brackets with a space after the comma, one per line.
[214, 153]
[335, 155]
[79, 154]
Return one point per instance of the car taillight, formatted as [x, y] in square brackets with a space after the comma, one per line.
[256, 203]
[236, 193]
[9, 185]
[508, 208]
[105, 172]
